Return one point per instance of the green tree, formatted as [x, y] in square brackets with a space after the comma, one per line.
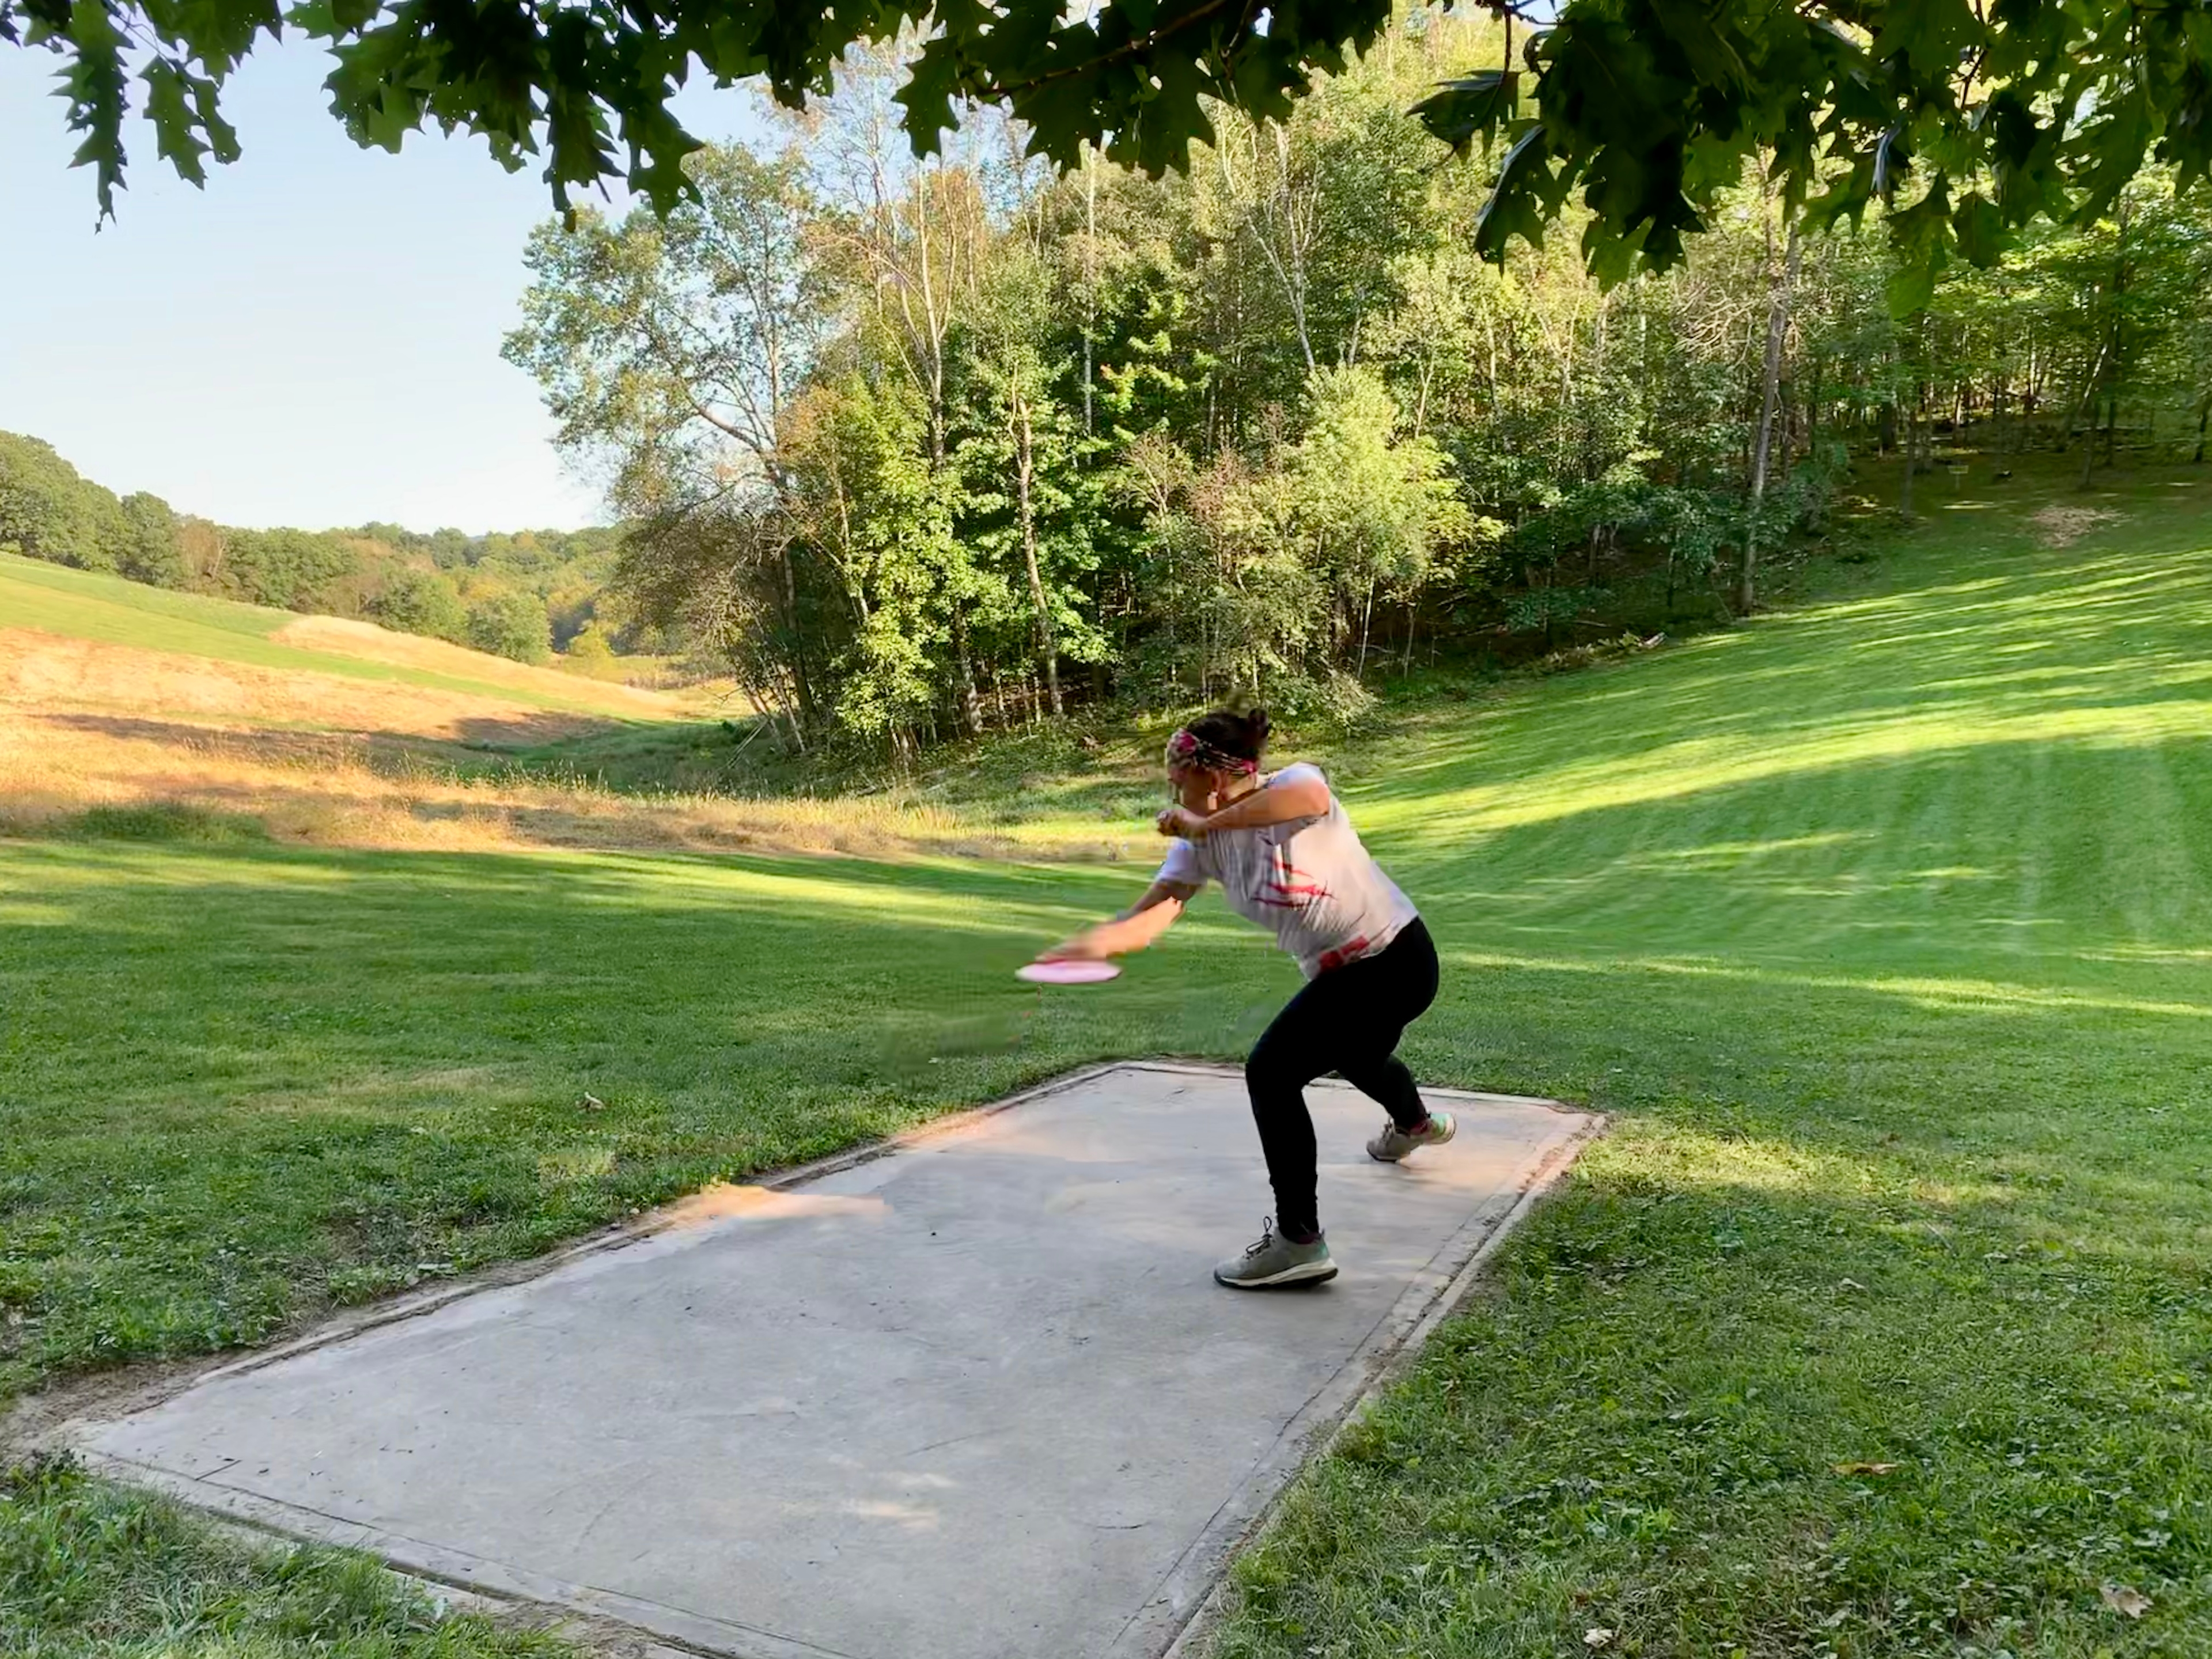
[48, 512]
[675, 344]
[1027, 492]
[1372, 506]
[511, 625]
[866, 502]
[671, 350]
[288, 569]
[591, 650]
[422, 602]
[154, 550]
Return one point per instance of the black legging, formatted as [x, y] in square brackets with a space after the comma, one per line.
[1347, 1021]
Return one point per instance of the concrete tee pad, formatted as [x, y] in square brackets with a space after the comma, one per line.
[976, 1399]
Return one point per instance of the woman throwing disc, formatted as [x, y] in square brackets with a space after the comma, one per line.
[1287, 857]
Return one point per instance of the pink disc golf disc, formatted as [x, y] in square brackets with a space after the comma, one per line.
[1068, 973]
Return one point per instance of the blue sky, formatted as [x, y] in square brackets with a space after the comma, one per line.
[312, 340]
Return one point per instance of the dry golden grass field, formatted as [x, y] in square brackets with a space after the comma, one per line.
[117, 699]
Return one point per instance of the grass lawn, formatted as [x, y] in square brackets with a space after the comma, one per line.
[89, 604]
[1879, 1325]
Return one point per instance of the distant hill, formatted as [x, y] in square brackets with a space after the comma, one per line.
[91, 635]
[523, 596]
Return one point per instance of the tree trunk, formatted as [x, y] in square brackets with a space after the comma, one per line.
[2087, 409]
[2116, 378]
[1777, 325]
[1295, 280]
[1024, 469]
[1289, 262]
[971, 699]
[1090, 275]
[1813, 408]
[801, 682]
[2203, 416]
[1911, 460]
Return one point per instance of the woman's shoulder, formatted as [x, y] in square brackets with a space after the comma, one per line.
[1300, 772]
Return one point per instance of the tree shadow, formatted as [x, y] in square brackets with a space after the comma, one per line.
[240, 1085]
[260, 743]
[1738, 1395]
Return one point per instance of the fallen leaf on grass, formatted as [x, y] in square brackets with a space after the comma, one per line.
[1599, 1637]
[1864, 1468]
[2127, 1599]
[1848, 1284]
[591, 1103]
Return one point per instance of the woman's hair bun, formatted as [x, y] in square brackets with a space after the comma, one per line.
[1238, 730]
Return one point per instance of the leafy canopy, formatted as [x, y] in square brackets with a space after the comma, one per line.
[576, 81]
[1968, 119]
[1997, 113]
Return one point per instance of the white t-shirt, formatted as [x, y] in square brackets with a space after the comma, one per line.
[1308, 880]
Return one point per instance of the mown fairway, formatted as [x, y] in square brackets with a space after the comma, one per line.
[1879, 1324]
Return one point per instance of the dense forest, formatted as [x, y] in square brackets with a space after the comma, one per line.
[523, 596]
[928, 446]
[918, 448]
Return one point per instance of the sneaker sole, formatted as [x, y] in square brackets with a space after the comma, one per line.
[1308, 1273]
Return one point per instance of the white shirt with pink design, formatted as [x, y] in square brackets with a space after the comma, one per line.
[1309, 880]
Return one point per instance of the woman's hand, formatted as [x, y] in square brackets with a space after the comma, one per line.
[1181, 821]
[1162, 903]
[1085, 946]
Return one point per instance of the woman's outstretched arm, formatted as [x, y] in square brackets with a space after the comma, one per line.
[1132, 930]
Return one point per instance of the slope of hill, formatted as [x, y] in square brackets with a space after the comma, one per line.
[511, 592]
[90, 605]
[126, 708]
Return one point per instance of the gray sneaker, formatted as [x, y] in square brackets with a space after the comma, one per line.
[1275, 1261]
[1394, 1143]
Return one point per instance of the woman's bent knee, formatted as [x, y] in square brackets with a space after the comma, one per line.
[1269, 1072]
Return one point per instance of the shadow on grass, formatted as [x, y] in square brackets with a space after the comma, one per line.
[240, 1085]
[1726, 1395]
[1878, 1324]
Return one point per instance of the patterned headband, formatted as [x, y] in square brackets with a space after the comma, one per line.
[1188, 750]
